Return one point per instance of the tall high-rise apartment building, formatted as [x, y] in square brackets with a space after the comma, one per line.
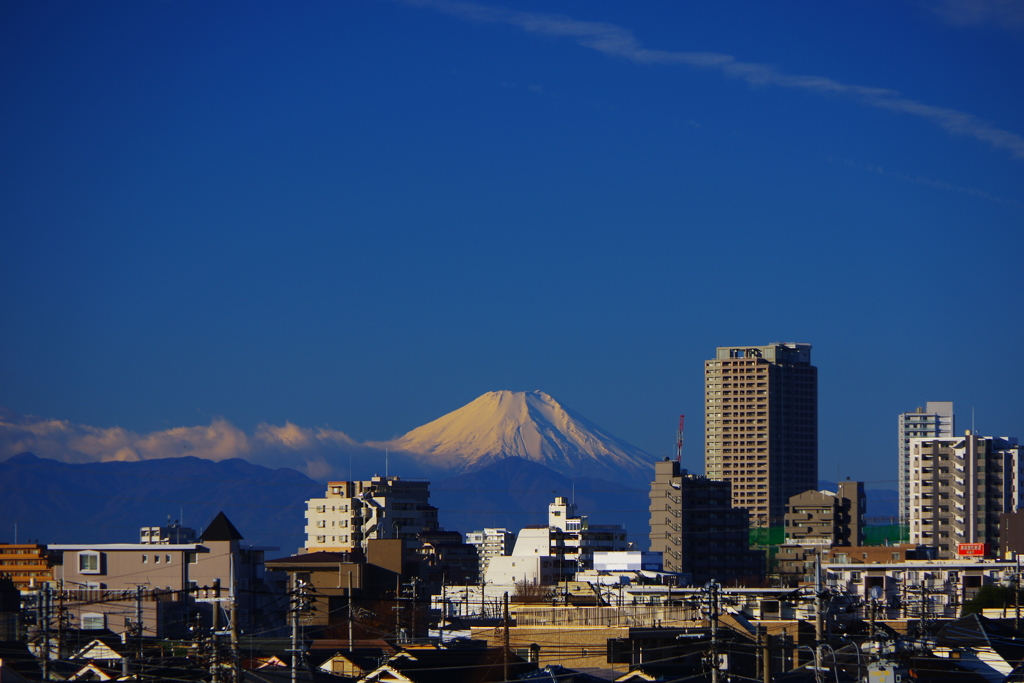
[935, 420]
[959, 487]
[761, 425]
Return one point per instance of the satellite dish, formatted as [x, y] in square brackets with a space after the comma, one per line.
[875, 593]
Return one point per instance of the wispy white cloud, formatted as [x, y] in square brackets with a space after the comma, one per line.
[317, 452]
[619, 42]
[929, 182]
[1004, 13]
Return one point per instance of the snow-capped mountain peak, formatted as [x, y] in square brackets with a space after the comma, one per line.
[531, 425]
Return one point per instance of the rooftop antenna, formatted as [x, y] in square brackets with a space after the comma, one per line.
[385, 463]
[679, 440]
[972, 421]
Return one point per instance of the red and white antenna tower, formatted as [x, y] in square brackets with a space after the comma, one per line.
[679, 440]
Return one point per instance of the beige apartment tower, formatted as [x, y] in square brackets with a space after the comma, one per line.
[354, 512]
[959, 487]
[761, 425]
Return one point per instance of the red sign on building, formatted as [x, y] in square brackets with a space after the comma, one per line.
[972, 549]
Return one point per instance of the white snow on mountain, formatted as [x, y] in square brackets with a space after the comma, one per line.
[531, 425]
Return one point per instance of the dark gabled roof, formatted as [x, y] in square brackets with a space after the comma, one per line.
[321, 556]
[554, 672]
[975, 630]
[468, 663]
[284, 675]
[221, 529]
[17, 658]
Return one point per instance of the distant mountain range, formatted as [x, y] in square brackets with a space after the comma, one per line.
[496, 462]
[54, 502]
[107, 502]
[494, 426]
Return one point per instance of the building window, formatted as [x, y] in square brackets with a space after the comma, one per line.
[93, 620]
[145, 559]
[321, 523]
[193, 558]
[89, 562]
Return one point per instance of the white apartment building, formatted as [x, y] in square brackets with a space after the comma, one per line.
[491, 543]
[172, 533]
[580, 539]
[916, 588]
[935, 420]
[958, 488]
[552, 553]
[354, 512]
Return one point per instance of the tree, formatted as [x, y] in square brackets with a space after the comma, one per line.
[526, 591]
[990, 596]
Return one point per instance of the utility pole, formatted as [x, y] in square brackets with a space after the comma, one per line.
[44, 609]
[923, 608]
[505, 653]
[236, 664]
[444, 612]
[295, 630]
[712, 592]
[60, 619]
[215, 652]
[1016, 600]
[759, 649]
[350, 645]
[819, 622]
[412, 597]
[766, 658]
[398, 609]
[138, 621]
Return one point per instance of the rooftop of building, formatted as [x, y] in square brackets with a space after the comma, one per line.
[221, 529]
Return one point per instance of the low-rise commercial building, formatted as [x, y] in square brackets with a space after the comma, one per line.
[161, 589]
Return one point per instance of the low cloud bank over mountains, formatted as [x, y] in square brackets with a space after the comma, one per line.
[495, 426]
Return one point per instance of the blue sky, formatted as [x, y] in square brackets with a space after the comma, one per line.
[363, 215]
